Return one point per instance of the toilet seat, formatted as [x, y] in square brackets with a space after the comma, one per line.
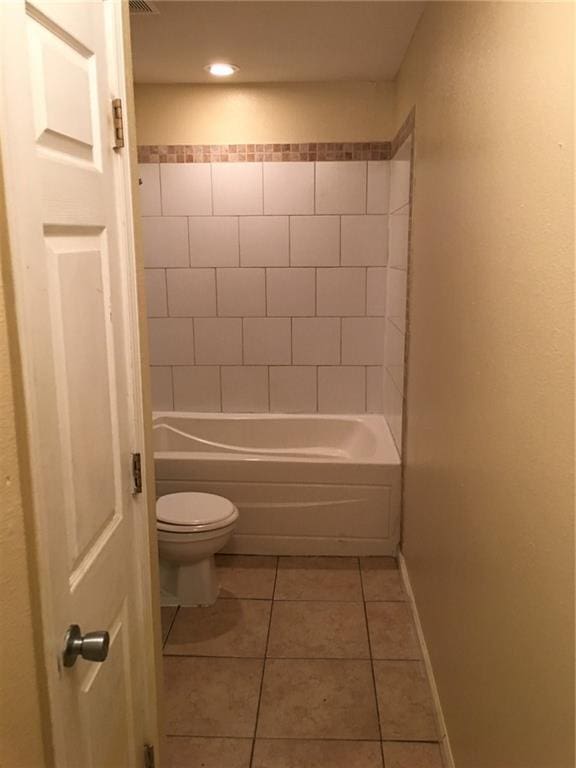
[194, 512]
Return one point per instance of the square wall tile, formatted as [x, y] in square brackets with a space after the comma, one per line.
[245, 389]
[376, 291]
[288, 188]
[218, 340]
[363, 340]
[156, 292]
[314, 241]
[149, 189]
[196, 388]
[398, 238]
[316, 340]
[378, 186]
[399, 183]
[161, 386]
[171, 341]
[342, 389]
[291, 292]
[396, 297]
[375, 389]
[293, 389]
[394, 344]
[364, 240]
[267, 341]
[341, 291]
[186, 189]
[165, 241]
[264, 241]
[241, 292]
[237, 189]
[214, 241]
[393, 409]
[341, 187]
[191, 292]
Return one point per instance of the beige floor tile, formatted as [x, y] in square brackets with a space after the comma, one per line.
[227, 628]
[318, 578]
[211, 697]
[381, 579]
[167, 613]
[291, 753]
[405, 755]
[186, 752]
[318, 630]
[318, 700]
[248, 576]
[404, 701]
[392, 631]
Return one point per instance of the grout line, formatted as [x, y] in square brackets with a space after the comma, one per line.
[264, 664]
[170, 627]
[299, 738]
[371, 657]
[169, 655]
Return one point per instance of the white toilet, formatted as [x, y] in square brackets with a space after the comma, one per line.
[192, 527]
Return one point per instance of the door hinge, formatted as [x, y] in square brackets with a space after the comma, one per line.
[149, 760]
[118, 119]
[137, 473]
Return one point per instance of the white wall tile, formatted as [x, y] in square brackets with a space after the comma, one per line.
[316, 340]
[218, 340]
[393, 410]
[341, 291]
[161, 388]
[186, 189]
[291, 291]
[376, 291]
[149, 189]
[288, 188]
[375, 389]
[191, 292]
[165, 241]
[171, 341]
[394, 354]
[241, 292]
[363, 340]
[396, 297]
[214, 241]
[196, 388]
[342, 389]
[237, 189]
[264, 241]
[156, 292]
[399, 183]
[267, 341]
[314, 241]
[245, 389]
[364, 240]
[378, 186]
[341, 187]
[399, 224]
[293, 389]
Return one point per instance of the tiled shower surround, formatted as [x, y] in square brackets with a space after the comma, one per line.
[267, 284]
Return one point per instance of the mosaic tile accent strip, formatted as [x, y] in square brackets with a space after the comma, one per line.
[257, 153]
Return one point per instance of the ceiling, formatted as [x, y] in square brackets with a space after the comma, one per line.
[273, 41]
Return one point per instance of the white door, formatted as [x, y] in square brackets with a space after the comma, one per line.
[68, 202]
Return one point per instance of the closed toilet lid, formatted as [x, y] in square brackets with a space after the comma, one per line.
[199, 511]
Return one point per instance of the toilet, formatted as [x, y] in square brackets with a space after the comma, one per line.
[192, 527]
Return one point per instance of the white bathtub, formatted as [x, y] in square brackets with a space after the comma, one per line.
[304, 484]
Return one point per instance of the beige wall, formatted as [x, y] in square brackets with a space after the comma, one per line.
[283, 112]
[21, 720]
[488, 533]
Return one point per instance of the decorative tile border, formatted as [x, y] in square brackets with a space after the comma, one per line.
[257, 153]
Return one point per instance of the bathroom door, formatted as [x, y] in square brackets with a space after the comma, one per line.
[68, 202]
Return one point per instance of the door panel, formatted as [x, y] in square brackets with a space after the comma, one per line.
[74, 274]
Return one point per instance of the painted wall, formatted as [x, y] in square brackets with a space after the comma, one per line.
[489, 504]
[21, 715]
[273, 112]
[266, 285]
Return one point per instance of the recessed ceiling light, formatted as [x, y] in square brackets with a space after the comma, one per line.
[221, 70]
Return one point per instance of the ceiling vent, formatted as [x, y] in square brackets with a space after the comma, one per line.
[143, 7]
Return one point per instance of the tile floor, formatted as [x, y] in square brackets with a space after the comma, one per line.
[303, 662]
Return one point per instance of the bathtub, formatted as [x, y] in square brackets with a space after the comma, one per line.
[304, 484]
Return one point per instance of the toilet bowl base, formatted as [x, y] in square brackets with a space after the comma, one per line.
[191, 584]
